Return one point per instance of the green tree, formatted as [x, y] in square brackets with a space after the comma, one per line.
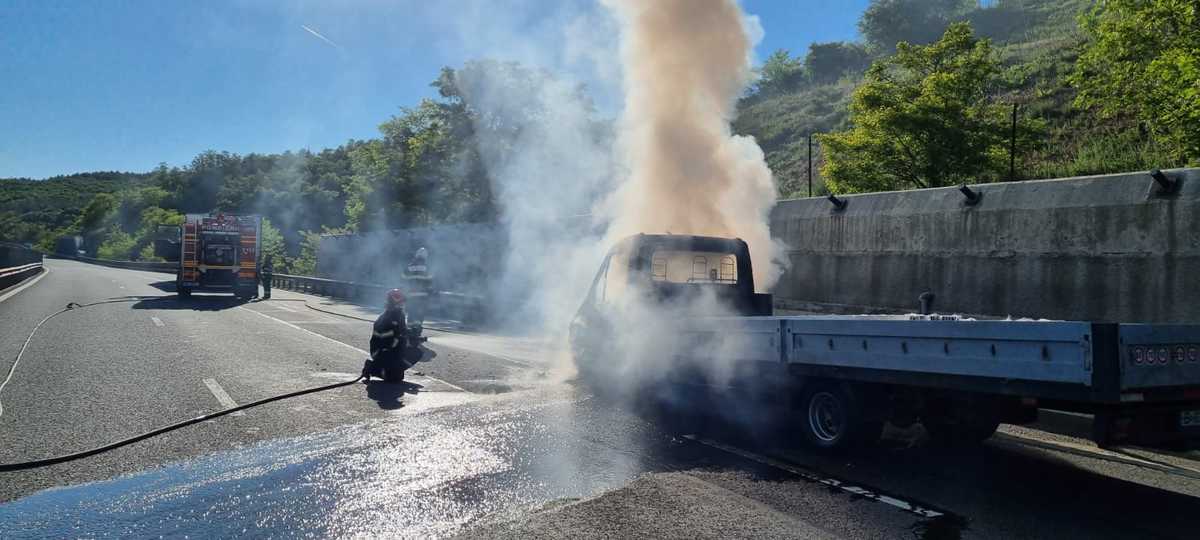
[779, 73]
[828, 62]
[97, 211]
[273, 245]
[921, 118]
[886, 23]
[1143, 60]
[133, 202]
[306, 263]
[118, 246]
[154, 216]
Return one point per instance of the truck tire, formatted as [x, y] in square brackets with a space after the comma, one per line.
[832, 419]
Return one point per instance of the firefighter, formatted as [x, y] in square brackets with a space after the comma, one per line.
[388, 338]
[418, 267]
[265, 274]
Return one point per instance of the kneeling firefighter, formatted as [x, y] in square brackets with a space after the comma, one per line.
[395, 346]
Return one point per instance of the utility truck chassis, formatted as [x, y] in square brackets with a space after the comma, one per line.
[847, 375]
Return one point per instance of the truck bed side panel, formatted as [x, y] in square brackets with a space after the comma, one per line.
[732, 339]
[1041, 351]
[1159, 355]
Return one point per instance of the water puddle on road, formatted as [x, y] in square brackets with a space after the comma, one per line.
[390, 478]
[411, 475]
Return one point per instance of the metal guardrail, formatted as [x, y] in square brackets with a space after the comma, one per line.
[464, 307]
[17, 263]
[166, 267]
[326, 287]
[16, 274]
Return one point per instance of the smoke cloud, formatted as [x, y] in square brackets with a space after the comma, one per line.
[685, 62]
[570, 182]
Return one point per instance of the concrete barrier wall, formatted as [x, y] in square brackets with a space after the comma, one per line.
[1105, 248]
[12, 255]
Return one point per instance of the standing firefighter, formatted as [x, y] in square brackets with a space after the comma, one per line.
[266, 273]
[393, 349]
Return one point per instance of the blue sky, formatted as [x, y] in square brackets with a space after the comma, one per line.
[124, 85]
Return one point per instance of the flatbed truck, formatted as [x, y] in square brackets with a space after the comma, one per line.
[846, 375]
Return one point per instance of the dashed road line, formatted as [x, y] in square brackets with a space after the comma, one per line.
[222, 397]
[157, 321]
[285, 308]
[832, 482]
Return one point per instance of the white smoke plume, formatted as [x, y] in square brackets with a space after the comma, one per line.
[685, 62]
[570, 184]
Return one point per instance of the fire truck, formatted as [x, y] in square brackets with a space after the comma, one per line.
[219, 253]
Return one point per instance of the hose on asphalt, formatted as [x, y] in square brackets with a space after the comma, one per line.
[8, 467]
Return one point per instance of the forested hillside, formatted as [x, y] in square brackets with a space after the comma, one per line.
[925, 98]
[1035, 46]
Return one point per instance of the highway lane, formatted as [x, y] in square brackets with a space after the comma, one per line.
[107, 372]
[353, 456]
[485, 439]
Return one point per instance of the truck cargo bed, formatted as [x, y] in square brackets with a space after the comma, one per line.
[1095, 362]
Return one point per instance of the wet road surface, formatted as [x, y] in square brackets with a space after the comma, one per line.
[491, 440]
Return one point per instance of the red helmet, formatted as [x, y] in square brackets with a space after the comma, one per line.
[395, 297]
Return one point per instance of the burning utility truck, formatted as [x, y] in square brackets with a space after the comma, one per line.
[219, 253]
[844, 376]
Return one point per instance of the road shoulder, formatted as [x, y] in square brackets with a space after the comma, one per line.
[657, 505]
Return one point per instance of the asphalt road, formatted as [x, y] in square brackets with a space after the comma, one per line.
[491, 439]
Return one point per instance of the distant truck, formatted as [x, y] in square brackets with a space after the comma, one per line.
[219, 253]
[844, 376]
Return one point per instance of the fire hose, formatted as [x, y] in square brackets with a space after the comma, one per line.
[6, 467]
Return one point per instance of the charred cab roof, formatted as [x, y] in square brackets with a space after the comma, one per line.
[684, 242]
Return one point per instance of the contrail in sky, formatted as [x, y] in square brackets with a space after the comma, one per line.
[320, 37]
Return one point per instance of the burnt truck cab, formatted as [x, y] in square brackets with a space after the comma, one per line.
[665, 269]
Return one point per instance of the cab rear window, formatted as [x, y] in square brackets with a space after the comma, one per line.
[675, 266]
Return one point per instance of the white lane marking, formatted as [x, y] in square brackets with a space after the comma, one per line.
[9, 294]
[352, 347]
[157, 321]
[221, 396]
[320, 322]
[832, 482]
[285, 308]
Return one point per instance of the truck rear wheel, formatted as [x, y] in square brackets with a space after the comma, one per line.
[832, 419]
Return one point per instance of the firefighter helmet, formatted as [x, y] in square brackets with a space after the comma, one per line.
[395, 297]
